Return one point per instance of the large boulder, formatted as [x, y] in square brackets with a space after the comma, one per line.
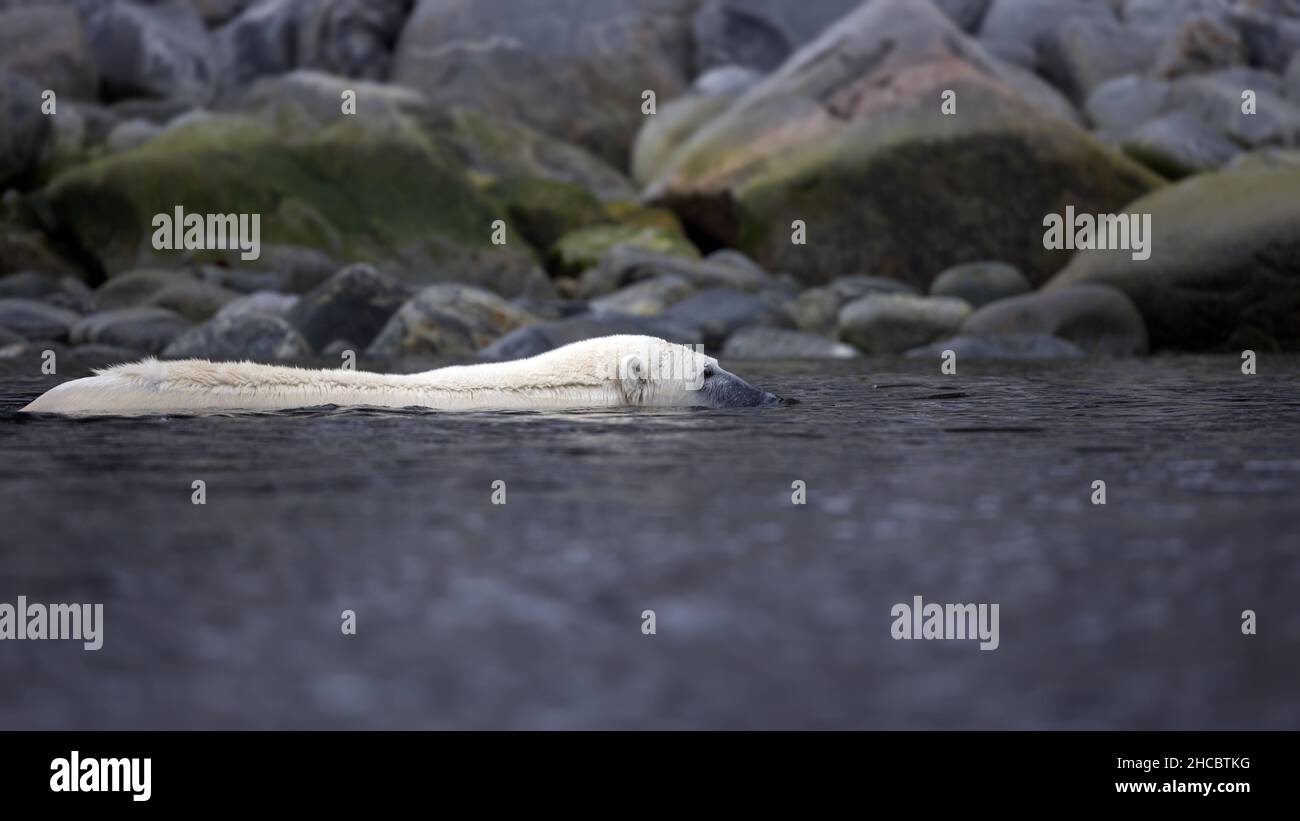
[894, 323]
[818, 309]
[716, 313]
[980, 283]
[677, 120]
[448, 319]
[195, 300]
[571, 68]
[240, 336]
[148, 330]
[48, 44]
[1097, 318]
[34, 319]
[1224, 271]
[390, 196]
[649, 297]
[1083, 52]
[1021, 29]
[354, 38]
[505, 150]
[25, 133]
[160, 50]
[762, 33]
[855, 117]
[133, 288]
[1178, 145]
[354, 304]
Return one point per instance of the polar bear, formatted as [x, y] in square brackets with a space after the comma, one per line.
[610, 371]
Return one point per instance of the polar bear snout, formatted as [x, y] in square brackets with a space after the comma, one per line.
[724, 389]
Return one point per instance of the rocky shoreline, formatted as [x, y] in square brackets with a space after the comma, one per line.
[822, 179]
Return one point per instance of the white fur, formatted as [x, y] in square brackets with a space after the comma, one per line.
[610, 371]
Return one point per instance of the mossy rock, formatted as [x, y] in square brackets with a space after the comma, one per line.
[579, 250]
[848, 136]
[1224, 270]
[542, 211]
[393, 197]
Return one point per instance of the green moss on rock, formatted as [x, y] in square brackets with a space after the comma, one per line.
[393, 197]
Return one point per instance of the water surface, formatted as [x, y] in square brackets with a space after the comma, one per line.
[967, 488]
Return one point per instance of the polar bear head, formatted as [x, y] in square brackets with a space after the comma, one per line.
[643, 371]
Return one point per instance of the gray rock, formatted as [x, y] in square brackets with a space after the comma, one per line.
[61, 292]
[535, 339]
[623, 265]
[265, 303]
[300, 268]
[894, 323]
[649, 297]
[161, 50]
[8, 338]
[1199, 45]
[1271, 40]
[979, 283]
[828, 136]
[192, 299]
[140, 329]
[1178, 145]
[27, 285]
[1030, 23]
[588, 62]
[717, 312]
[818, 309]
[355, 303]
[1215, 99]
[1292, 79]
[72, 294]
[1003, 346]
[1082, 53]
[1124, 103]
[240, 336]
[48, 45]
[25, 133]
[1097, 318]
[763, 342]
[33, 319]
[448, 319]
[134, 288]
[352, 38]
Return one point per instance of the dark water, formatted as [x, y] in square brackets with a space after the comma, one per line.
[968, 488]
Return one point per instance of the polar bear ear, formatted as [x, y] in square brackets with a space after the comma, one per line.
[632, 370]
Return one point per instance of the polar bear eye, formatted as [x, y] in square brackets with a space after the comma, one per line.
[708, 371]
